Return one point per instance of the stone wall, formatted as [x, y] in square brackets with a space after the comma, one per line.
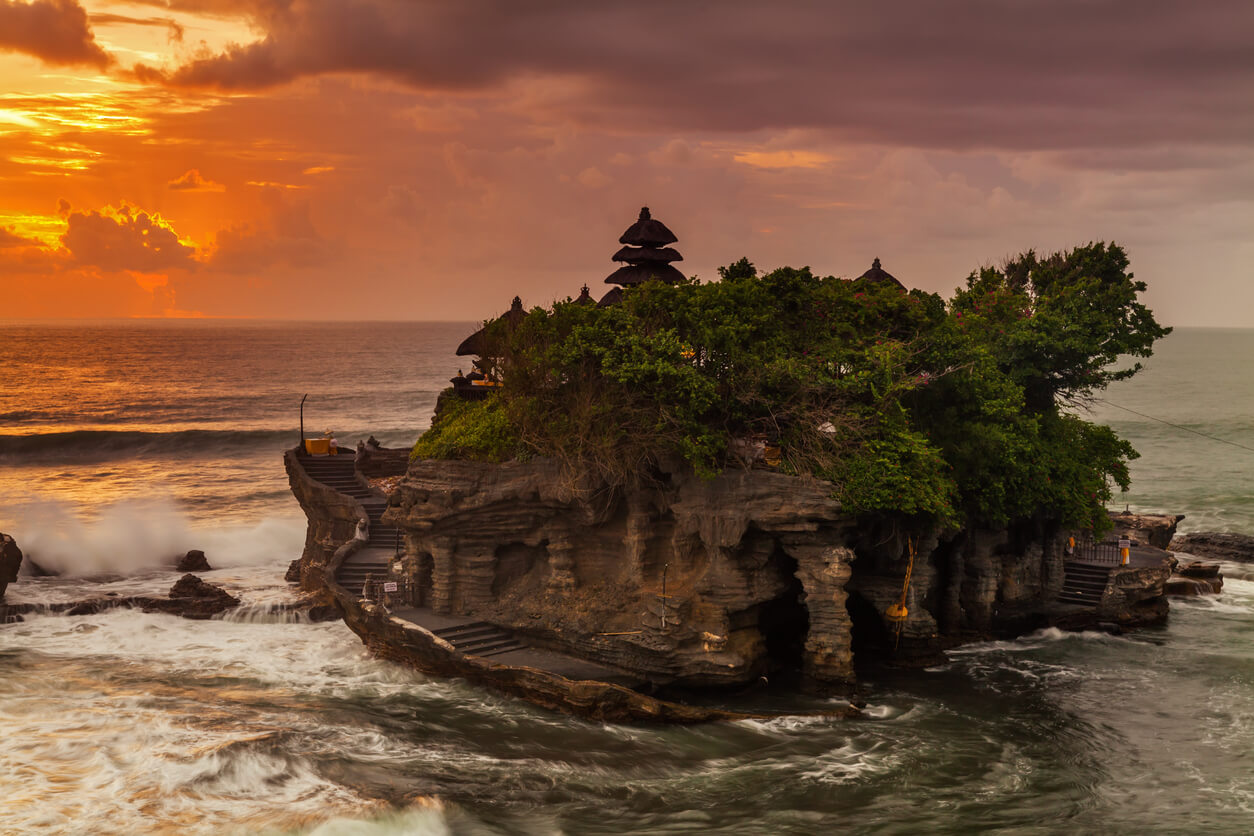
[708, 583]
[333, 520]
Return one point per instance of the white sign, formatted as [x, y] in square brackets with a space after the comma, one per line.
[1125, 543]
[389, 586]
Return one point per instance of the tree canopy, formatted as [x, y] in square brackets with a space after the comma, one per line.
[953, 412]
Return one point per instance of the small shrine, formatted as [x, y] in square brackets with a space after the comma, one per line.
[879, 275]
[478, 383]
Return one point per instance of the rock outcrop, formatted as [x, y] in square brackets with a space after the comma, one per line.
[1195, 578]
[1216, 545]
[714, 583]
[10, 562]
[190, 597]
[1155, 530]
[193, 561]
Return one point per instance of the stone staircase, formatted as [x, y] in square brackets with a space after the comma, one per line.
[480, 638]
[340, 474]
[1083, 584]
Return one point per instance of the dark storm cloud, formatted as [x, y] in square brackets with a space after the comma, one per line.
[125, 240]
[54, 31]
[971, 73]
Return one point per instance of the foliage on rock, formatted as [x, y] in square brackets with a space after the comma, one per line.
[951, 412]
[472, 430]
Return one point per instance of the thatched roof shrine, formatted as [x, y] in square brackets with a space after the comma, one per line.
[879, 274]
[476, 343]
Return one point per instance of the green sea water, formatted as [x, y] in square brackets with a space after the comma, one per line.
[1194, 430]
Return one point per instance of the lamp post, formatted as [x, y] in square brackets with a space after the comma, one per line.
[301, 446]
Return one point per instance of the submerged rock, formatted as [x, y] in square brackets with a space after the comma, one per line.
[10, 561]
[1196, 578]
[1215, 544]
[193, 561]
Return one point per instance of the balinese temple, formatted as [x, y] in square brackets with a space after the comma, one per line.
[644, 255]
[880, 275]
[477, 383]
[585, 298]
[475, 345]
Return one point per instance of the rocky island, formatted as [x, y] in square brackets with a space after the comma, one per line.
[692, 488]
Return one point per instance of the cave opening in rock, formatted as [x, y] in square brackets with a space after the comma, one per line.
[423, 584]
[867, 631]
[784, 620]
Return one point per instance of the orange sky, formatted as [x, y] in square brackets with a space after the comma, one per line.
[414, 159]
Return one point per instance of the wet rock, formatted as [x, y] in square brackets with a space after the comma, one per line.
[1150, 529]
[191, 597]
[1186, 587]
[293, 572]
[1197, 569]
[324, 613]
[193, 561]
[10, 562]
[1217, 545]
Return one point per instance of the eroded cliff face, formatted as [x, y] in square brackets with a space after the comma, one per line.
[715, 582]
[10, 562]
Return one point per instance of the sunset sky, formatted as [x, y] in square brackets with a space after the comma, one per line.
[414, 159]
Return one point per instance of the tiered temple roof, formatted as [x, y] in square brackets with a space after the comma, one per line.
[646, 255]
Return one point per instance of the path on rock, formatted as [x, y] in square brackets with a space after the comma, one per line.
[468, 635]
[340, 474]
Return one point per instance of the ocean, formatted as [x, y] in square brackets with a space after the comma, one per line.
[123, 444]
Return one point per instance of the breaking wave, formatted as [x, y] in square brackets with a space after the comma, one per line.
[102, 445]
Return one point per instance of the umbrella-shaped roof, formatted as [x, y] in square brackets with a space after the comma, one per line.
[476, 343]
[646, 232]
[641, 255]
[879, 274]
[634, 274]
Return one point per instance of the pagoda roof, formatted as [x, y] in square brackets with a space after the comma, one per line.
[476, 343]
[634, 274]
[585, 298]
[641, 255]
[614, 296]
[879, 274]
[646, 232]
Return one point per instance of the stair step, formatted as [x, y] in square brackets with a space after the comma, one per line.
[501, 650]
[473, 626]
[500, 646]
[1079, 584]
[469, 634]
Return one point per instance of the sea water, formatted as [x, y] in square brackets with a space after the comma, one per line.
[124, 444]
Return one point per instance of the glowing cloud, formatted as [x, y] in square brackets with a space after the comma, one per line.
[126, 239]
[193, 181]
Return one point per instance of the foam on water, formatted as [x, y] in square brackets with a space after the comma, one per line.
[133, 535]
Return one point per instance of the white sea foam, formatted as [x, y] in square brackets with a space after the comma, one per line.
[133, 535]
